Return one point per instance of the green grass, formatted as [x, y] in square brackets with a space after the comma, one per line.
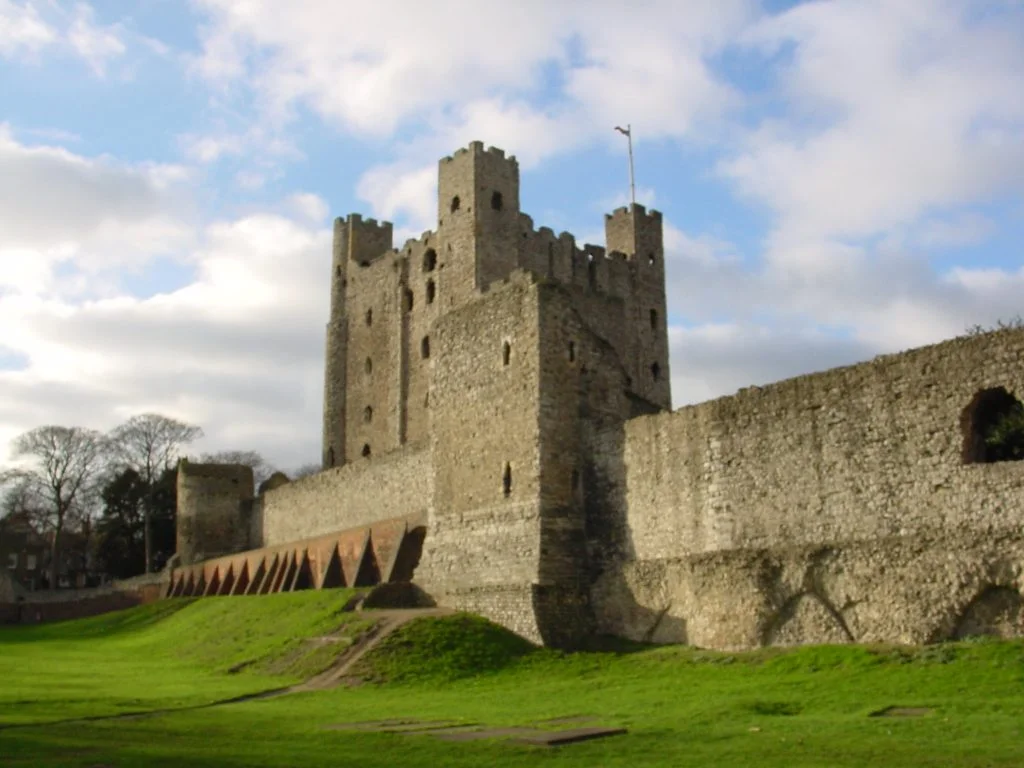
[682, 706]
[169, 654]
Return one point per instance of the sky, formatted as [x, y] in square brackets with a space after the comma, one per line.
[839, 179]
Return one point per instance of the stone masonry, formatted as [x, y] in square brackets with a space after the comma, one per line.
[511, 389]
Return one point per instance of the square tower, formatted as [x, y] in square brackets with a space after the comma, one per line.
[477, 220]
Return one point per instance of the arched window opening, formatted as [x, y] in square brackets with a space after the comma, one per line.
[572, 351]
[366, 450]
[455, 204]
[369, 317]
[430, 260]
[367, 414]
[654, 319]
[506, 480]
[650, 259]
[496, 201]
[425, 347]
[431, 291]
[407, 300]
[655, 371]
[993, 427]
[506, 353]
[368, 366]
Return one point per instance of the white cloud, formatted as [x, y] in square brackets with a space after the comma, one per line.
[95, 43]
[92, 214]
[207, 149]
[485, 77]
[23, 29]
[238, 350]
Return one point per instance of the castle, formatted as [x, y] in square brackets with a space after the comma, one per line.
[498, 429]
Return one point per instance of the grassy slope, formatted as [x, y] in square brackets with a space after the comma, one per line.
[168, 654]
[806, 707]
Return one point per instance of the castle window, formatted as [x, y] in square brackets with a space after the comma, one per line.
[455, 204]
[366, 450]
[506, 480]
[655, 371]
[506, 353]
[425, 347]
[572, 351]
[337, 270]
[496, 202]
[654, 319]
[367, 414]
[369, 317]
[431, 291]
[993, 427]
[407, 300]
[368, 366]
[330, 457]
[430, 259]
[650, 258]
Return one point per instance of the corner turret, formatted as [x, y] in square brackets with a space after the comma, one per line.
[478, 220]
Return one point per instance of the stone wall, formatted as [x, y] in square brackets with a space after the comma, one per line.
[483, 541]
[215, 510]
[910, 589]
[64, 604]
[867, 451]
[841, 498]
[399, 484]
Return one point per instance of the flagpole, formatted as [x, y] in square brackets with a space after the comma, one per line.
[628, 133]
[632, 186]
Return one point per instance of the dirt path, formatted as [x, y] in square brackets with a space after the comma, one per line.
[388, 620]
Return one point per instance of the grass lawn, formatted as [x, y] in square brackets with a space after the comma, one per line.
[682, 706]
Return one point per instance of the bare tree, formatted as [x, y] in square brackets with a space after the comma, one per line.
[306, 470]
[150, 443]
[1001, 325]
[261, 470]
[68, 461]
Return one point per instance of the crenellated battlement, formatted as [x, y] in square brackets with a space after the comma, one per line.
[477, 147]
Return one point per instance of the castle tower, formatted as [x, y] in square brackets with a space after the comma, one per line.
[357, 245]
[478, 220]
[638, 234]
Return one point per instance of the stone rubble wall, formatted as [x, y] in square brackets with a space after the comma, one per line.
[399, 484]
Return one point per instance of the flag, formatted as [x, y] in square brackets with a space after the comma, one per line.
[623, 131]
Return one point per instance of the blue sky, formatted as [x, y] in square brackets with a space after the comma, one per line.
[839, 179]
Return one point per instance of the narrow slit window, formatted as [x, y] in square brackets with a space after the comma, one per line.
[368, 366]
[572, 351]
[506, 353]
[369, 317]
[431, 291]
[655, 371]
[425, 347]
[368, 414]
[455, 204]
[366, 450]
[430, 260]
[654, 319]
[506, 480]
[497, 203]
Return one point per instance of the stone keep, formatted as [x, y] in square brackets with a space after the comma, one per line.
[512, 389]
